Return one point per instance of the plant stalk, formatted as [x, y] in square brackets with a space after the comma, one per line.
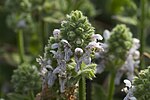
[21, 45]
[43, 34]
[142, 33]
[82, 89]
[31, 94]
[111, 86]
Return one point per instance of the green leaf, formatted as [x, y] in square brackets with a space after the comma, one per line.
[50, 20]
[126, 20]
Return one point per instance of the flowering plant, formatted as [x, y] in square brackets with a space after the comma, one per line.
[67, 60]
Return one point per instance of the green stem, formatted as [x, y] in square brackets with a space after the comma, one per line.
[142, 34]
[111, 86]
[82, 89]
[43, 33]
[21, 45]
[31, 95]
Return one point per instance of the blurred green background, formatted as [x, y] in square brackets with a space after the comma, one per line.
[36, 19]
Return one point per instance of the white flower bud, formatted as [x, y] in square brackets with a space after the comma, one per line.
[136, 41]
[56, 33]
[78, 51]
[106, 34]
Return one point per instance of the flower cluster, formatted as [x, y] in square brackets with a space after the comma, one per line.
[131, 62]
[68, 55]
[26, 78]
[120, 51]
[142, 85]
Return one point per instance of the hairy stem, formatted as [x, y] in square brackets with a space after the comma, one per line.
[82, 89]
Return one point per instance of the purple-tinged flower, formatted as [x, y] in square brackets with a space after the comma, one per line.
[67, 50]
[68, 53]
[21, 24]
[96, 45]
[58, 55]
[51, 77]
[55, 45]
[86, 57]
[57, 70]
[78, 61]
[62, 81]
[78, 58]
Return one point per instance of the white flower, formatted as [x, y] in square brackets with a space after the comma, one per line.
[106, 34]
[78, 51]
[127, 83]
[96, 37]
[125, 90]
[56, 33]
[136, 54]
[136, 43]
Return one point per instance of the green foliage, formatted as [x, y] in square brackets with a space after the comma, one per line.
[77, 28]
[98, 92]
[26, 78]
[142, 85]
[124, 7]
[15, 96]
[87, 71]
[120, 42]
